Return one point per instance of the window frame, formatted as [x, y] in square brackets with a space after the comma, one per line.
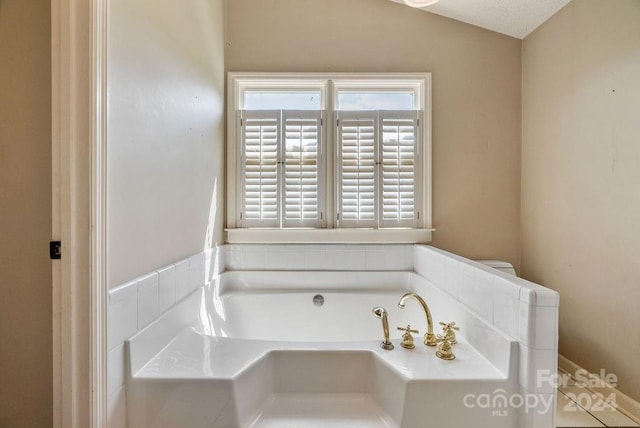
[328, 84]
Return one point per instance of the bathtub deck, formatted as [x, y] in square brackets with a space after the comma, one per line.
[301, 385]
[194, 355]
[322, 411]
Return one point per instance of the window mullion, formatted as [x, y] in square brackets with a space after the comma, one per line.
[241, 167]
[418, 165]
[323, 190]
[281, 148]
[378, 170]
[337, 168]
[330, 159]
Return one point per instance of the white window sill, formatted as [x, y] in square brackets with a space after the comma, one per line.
[326, 236]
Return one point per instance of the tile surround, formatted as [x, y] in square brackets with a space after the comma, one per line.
[135, 304]
[166, 288]
[506, 314]
[148, 304]
[182, 279]
[117, 408]
[511, 304]
[116, 368]
[123, 319]
[525, 311]
[318, 257]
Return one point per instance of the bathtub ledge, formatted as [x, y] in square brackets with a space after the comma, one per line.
[195, 355]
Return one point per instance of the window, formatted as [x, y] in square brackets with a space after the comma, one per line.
[329, 152]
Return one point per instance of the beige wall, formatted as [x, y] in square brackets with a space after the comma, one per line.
[476, 97]
[165, 141]
[25, 214]
[581, 179]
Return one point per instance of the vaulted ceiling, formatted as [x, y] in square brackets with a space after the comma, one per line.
[516, 18]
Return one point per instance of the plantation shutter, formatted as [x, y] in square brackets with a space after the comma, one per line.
[260, 201]
[281, 168]
[378, 169]
[302, 168]
[357, 135]
[399, 168]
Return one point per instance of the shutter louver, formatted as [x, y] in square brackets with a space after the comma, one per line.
[302, 175]
[260, 136]
[357, 136]
[399, 169]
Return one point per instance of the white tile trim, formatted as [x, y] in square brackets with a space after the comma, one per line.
[327, 236]
[129, 312]
[123, 292]
[326, 257]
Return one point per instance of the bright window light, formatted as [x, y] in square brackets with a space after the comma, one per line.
[349, 101]
[282, 100]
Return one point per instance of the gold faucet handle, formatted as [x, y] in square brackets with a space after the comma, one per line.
[445, 350]
[407, 339]
[449, 326]
[408, 329]
[443, 340]
[449, 333]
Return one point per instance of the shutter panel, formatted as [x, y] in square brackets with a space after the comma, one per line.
[260, 133]
[302, 168]
[357, 154]
[399, 169]
[282, 168]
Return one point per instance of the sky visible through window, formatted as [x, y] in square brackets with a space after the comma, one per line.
[375, 101]
[310, 100]
[282, 100]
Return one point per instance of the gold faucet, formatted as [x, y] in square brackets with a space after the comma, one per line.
[429, 337]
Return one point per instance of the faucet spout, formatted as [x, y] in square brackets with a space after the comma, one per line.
[429, 337]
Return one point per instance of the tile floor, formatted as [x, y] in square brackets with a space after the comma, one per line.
[580, 408]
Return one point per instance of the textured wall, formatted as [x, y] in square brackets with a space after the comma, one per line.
[165, 148]
[476, 97]
[581, 179]
[25, 214]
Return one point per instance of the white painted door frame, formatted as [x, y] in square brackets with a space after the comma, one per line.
[78, 51]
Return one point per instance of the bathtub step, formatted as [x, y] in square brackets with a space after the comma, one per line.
[322, 411]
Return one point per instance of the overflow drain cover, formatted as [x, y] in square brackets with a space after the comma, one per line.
[318, 300]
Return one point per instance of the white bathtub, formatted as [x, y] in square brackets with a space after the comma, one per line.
[257, 352]
[280, 306]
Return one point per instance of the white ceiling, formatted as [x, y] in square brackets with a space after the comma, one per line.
[516, 18]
